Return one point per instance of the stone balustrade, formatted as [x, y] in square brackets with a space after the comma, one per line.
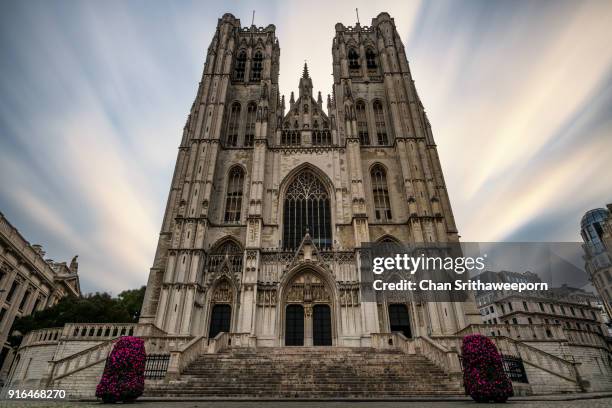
[42, 336]
[78, 361]
[584, 338]
[97, 331]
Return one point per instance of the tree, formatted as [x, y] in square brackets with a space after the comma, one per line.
[484, 378]
[92, 308]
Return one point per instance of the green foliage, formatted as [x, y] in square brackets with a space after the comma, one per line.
[92, 308]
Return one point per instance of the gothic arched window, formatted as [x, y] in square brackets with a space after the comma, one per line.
[233, 124]
[353, 59]
[229, 250]
[380, 192]
[240, 66]
[381, 127]
[233, 196]
[371, 59]
[257, 66]
[307, 206]
[249, 133]
[362, 123]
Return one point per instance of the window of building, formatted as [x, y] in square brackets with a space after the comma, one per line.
[233, 125]
[495, 320]
[24, 299]
[240, 66]
[12, 291]
[382, 206]
[529, 320]
[307, 207]
[593, 315]
[371, 59]
[362, 123]
[249, 132]
[321, 137]
[291, 137]
[514, 321]
[525, 306]
[572, 311]
[491, 309]
[381, 127]
[2, 313]
[233, 197]
[257, 66]
[510, 306]
[552, 308]
[562, 309]
[353, 59]
[582, 313]
[503, 309]
[541, 306]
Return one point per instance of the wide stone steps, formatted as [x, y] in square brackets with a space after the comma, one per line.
[308, 372]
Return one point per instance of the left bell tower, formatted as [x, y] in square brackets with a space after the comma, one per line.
[241, 66]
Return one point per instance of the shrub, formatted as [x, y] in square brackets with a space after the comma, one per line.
[484, 378]
[123, 377]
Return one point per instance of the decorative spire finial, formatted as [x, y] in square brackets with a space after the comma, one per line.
[305, 73]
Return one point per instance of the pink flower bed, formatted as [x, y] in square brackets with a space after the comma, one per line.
[484, 378]
[123, 378]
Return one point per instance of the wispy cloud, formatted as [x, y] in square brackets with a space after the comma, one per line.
[94, 97]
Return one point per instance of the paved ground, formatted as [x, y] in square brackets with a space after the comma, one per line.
[552, 403]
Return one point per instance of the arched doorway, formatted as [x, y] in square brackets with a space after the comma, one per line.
[399, 320]
[321, 325]
[294, 325]
[308, 308]
[220, 320]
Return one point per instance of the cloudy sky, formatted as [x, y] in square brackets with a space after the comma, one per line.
[93, 97]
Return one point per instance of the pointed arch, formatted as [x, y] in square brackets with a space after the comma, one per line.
[225, 248]
[233, 125]
[240, 65]
[257, 66]
[249, 132]
[380, 193]
[233, 195]
[362, 122]
[353, 59]
[371, 59]
[306, 205]
[379, 120]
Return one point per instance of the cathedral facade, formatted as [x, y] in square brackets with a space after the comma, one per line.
[271, 200]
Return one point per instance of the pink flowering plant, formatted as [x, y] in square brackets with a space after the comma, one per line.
[123, 378]
[484, 378]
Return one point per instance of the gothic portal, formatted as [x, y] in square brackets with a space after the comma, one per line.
[271, 199]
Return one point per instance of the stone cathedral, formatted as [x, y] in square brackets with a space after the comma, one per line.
[271, 200]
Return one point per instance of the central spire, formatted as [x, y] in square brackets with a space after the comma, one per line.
[305, 82]
[305, 73]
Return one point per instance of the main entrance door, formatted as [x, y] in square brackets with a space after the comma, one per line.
[399, 320]
[321, 326]
[220, 319]
[294, 325]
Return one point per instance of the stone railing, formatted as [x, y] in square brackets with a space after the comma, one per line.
[165, 344]
[181, 358]
[543, 360]
[43, 336]
[446, 358]
[78, 361]
[525, 332]
[97, 331]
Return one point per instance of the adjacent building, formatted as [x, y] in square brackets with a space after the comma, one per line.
[28, 282]
[596, 232]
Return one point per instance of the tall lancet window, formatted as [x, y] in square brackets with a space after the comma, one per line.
[353, 59]
[381, 127]
[233, 125]
[380, 192]
[233, 197]
[257, 66]
[240, 66]
[362, 123]
[307, 206]
[371, 60]
[249, 133]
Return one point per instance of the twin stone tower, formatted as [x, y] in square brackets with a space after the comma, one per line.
[271, 200]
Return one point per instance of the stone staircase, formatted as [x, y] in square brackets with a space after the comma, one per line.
[308, 372]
